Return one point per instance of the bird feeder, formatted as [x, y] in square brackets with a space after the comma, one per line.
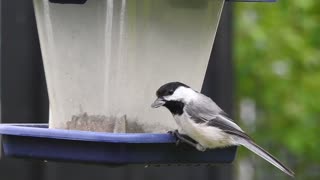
[104, 60]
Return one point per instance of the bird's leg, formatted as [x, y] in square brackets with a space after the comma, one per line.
[180, 138]
[200, 147]
[178, 141]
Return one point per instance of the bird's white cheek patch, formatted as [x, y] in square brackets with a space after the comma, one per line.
[182, 93]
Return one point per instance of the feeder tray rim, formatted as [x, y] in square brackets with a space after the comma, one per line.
[42, 131]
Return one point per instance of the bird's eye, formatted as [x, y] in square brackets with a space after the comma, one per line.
[171, 91]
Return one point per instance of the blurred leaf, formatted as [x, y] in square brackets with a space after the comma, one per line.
[277, 56]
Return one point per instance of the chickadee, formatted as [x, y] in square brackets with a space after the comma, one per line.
[205, 122]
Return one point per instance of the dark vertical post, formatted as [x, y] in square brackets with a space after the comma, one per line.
[23, 89]
[218, 83]
[24, 95]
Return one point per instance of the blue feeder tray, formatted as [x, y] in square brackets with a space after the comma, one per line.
[39, 142]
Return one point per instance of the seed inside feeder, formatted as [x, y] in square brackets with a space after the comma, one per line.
[102, 123]
[97, 123]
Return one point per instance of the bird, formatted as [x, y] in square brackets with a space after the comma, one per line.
[209, 127]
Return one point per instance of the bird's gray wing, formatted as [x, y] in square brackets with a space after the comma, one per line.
[204, 110]
[220, 122]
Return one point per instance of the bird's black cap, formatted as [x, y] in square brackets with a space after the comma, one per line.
[169, 88]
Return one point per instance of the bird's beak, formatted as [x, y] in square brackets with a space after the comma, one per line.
[157, 103]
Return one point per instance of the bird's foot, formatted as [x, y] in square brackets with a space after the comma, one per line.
[181, 139]
[200, 147]
[173, 133]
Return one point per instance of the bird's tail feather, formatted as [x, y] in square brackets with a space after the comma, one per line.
[265, 155]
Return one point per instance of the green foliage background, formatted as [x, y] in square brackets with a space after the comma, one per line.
[277, 57]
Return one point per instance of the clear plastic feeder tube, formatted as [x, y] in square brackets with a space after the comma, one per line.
[105, 59]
